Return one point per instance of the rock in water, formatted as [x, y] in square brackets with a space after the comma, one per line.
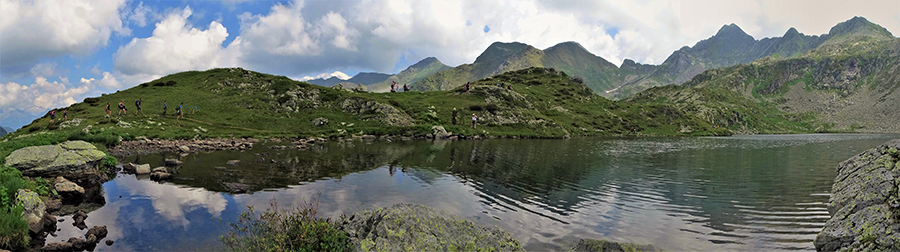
[411, 227]
[590, 245]
[69, 159]
[865, 204]
[142, 169]
[34, 209]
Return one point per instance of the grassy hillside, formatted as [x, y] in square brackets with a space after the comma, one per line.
[410, 75]
[240, 103]
[848, 86]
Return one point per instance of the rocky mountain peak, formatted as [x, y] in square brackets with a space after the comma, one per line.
[500, 50]
[426, 62]
[791, 34]
[732, 32]
[859, 26]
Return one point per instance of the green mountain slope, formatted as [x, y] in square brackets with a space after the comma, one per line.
[847, 84]
[410, 75]
[239, 103]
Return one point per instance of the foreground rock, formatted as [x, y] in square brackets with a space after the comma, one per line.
[590, 245]
[70, 159]
[865, 204]
[410, 227]
[34, 209]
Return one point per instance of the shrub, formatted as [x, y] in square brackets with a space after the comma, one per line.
[295, 229]
[92, 100]
[475, 108]
[13, 229]
[491, 108]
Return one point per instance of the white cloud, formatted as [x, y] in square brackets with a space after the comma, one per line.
[338, 74]
[175, 46]
[41, 95]
[32, 30]
[141, 14]
[108, 81]
[44, 69]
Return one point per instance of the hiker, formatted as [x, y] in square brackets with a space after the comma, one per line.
[52, 114]
[66, 114]
[196, 109]
[467, 87]
[178, 111]
[474, 120]
[453, 119]
[393, 86]
[165, 108]
[122, 108]
[633, 131]
[108, 111]
[509, 87]
[138, 105]
[406, 88]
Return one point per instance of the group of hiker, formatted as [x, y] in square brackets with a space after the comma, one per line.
[395, 87]
[124, 110]
[53, 114]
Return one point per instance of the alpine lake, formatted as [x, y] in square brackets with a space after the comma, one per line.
[757, 192]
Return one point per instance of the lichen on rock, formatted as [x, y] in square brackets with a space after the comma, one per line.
[56, 160]
[412, 227]
[865, 203]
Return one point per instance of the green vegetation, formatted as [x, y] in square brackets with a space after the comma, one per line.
[240, 103]
[295, 229]
[13, 229]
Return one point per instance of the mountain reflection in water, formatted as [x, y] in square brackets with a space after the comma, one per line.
[735, 193]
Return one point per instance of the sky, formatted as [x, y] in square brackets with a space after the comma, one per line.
[54, 53]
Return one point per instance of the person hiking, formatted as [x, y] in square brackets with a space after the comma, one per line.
[393, 86]
[122, 108]
[178, 111]
[406, 88]
[52, 114]
[455, 113]
[108, 111]
[138, 105]
[165, 108]
[474, 120]
[468, 86]
[66, 114]
[196, 109]
[509, 87]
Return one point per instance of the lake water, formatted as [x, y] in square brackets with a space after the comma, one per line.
[762, 192]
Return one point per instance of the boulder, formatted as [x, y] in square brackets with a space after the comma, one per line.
[411, 227]
[142, 169]
[69, 159]
[78, 219]
[865, 203]
[159, 176]
[233, 162]
[53, 205]
[96, 233]
[68, 190]
[171, 162]
[159, 169]
[591, 245]
[184, 148]
[439, 132]
[129, 167]
[34, 209]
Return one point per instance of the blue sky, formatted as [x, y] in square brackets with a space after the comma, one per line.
[54, 53]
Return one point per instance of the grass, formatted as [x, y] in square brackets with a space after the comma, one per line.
[292, 229]
[240, 103]
[13, 229]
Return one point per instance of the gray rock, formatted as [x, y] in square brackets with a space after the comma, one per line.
[123, 124]
[384, 113]
[591, 245]
[69, 159]
[71, 193]
[98, 232]
[319, 121]
[233, 162]
[159, 169]
[865, 203]
[411, 227]
[78, 219]
[34, 209]
[439, 132]
[159, 176]
[368, 137]
[170, 162]
[142, 169]
[184, 148]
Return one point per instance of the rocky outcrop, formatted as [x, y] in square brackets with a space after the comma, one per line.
[590, 245]
[69, 159]
[384, 113]
[865, 204]
[411, 227]
[70, 192]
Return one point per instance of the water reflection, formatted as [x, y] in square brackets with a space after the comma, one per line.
[737, 193]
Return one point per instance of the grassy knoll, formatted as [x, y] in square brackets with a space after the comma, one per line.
[240, 103]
